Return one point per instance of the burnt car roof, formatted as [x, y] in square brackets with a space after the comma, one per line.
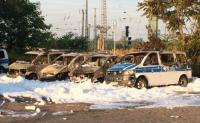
[43, 52]
[35, 52]
[177, 52]
[101, 55]
[71, 54]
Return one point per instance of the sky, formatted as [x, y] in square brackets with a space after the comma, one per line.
[65, 16]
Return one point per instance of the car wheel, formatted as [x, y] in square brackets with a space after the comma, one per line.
[141, 83]
[61, 77]
[183, 81]
[101, 80]
[32, 77]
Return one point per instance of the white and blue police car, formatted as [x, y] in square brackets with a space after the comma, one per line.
[150, 68]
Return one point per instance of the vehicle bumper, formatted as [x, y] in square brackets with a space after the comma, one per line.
[48, 78]
[15, 75]
[118, 80]
[190, 80]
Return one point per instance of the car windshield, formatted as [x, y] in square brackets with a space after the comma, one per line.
[29, 57]
[64, 60]
[95, 61]
[135, 58]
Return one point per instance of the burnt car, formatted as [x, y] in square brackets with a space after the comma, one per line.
[33, 62]
[61, 66]
[94, 68]
[151, 68]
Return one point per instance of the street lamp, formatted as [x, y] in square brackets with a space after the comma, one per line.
[114, 29]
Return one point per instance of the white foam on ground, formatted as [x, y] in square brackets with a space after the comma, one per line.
[101, 96]
[10, 113]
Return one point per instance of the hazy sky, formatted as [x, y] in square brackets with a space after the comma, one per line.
[65, 15]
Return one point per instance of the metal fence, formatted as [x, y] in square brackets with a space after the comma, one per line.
[196, 70]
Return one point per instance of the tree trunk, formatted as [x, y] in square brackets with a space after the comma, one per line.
[182, 35]
[181, 22]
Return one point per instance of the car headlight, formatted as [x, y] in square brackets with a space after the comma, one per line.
[23, 71]
[128, 72]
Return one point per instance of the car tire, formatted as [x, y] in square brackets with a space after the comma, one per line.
[101, 79]
[61, 77]
[141, 83]
[32, 77]
[183, 81]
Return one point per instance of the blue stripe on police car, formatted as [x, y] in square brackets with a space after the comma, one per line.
[4, 61]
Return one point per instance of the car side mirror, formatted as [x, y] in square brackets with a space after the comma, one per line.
[189, 61]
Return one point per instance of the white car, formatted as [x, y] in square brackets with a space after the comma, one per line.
[151, 68]
[3, 60]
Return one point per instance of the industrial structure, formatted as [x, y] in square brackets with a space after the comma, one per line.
[102, 27]
[86, 20]
[83, 22]
[95, 24]
[101, 38]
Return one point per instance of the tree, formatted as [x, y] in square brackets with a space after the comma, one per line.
[175, 13]
[21, 25]
[194, 47]
[68, 41]
[153, 9]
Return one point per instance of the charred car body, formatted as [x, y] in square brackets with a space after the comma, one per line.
[33, 63]
[61, 66]
[150, 68]
[94, 67]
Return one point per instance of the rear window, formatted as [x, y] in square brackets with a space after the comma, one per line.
[53, 56]
[2, 55]
[42, 60]
[167, 59]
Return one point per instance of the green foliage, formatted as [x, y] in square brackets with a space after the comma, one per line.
[68, 41]
[194, 46]
[153, 7]
[109, 44]
[173, 45]
[137, 43]
[174, 13]
[21, 25]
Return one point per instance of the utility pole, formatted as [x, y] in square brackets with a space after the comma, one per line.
[114, 35]
[89, 27]
[102, 27]
[95, 24]
[86, 19]
[83, 22]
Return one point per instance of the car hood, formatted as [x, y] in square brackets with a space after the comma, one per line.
[52, 69]
[121, 67]
[87, 69]
[20, 65]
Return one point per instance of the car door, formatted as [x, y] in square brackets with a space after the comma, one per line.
[110, 62]
[151, 69]
[168, 73]
[77, 62]
[40, 63]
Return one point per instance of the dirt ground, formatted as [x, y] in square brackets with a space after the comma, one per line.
[80, 113]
